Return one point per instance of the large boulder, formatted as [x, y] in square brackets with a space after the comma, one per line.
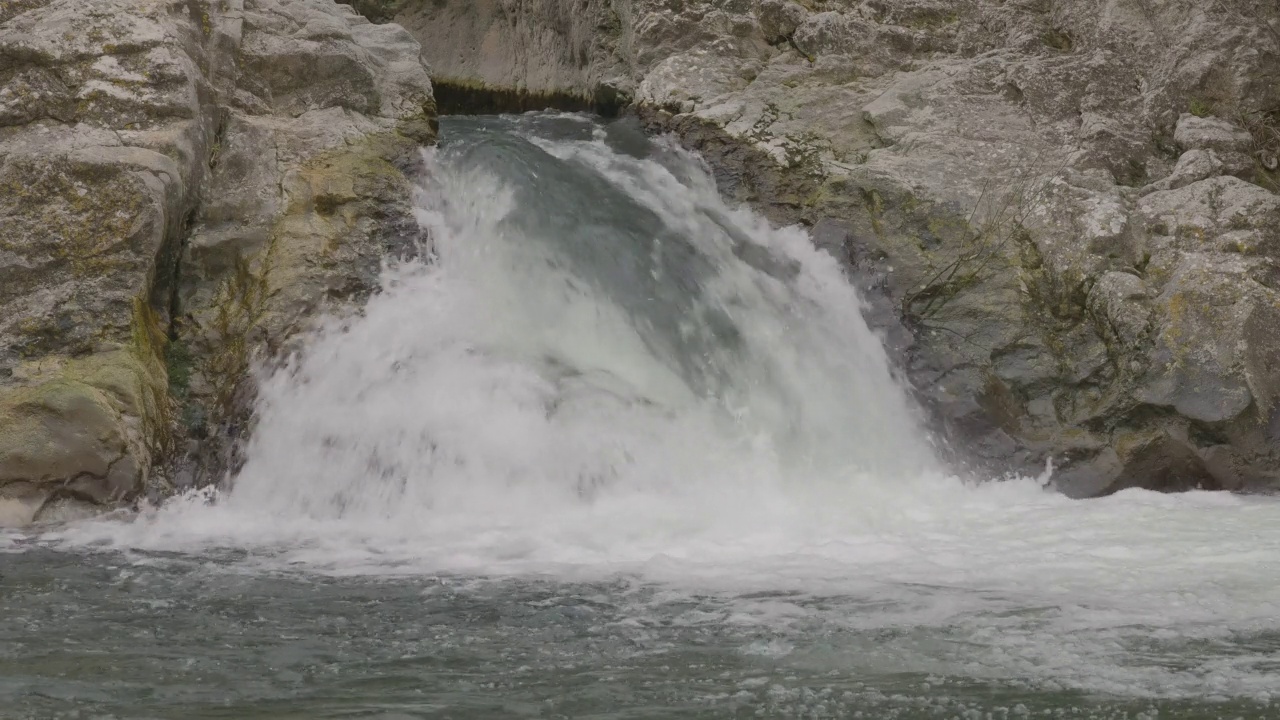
[1069, 205]
[182, 185]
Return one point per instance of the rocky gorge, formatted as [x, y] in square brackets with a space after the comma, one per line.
[1062, 214]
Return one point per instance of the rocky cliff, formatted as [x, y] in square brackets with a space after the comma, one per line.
[182, 184]
[1063, 213]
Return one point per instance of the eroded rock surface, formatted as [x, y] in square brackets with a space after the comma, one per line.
[1070, 205]
[182, 184]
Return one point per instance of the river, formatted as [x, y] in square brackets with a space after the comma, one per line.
[615, 449]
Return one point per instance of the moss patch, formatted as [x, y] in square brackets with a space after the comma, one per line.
[1200, 108]
[89, 425]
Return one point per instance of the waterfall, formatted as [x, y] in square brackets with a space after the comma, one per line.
[596, 326]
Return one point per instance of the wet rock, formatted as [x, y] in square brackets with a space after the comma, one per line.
[67, 509]
[180, 188]
[565, 46]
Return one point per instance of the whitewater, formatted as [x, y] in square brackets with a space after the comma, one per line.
[602, 386]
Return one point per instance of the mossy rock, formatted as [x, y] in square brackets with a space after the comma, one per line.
[86, 428]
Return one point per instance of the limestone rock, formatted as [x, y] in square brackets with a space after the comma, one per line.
[150, 152]
[1118, 302]
[1210, 133]
[779, 19]
[1231, 146]
[1197, 364]
[1193, 166]
[552, 45]
[1221, 214]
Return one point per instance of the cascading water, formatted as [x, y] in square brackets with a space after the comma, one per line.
[655, 439]
[598, 327]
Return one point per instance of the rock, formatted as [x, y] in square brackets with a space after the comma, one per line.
[1193, 166]
[158, 169]
[67, 509]
[1232, 146]
[1118, 302]
[779, 19]
[1221, 214]
[1207, 316]
[565, 46]
[85, 429]
[1211, 133]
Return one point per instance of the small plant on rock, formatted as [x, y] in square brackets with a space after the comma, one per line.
[993, 241]
[1201, 108]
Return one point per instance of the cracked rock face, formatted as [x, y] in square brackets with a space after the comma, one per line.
[1068, 206]
[182, 185]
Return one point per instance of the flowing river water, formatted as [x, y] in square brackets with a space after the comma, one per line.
[620, 450]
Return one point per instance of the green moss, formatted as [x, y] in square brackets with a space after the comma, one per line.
[78, 416]
[232, 331]
[1057, 39]
[56, 430]
[155, 405]
[874, 204]
[1201, 107]
[179, 363]
[339, 182]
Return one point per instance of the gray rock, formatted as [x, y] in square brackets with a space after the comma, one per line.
[147, 157]
[1230, 145]
[1193, 166]
[1221, 214]
[1118, 302]
[1211, 133]
[779, 19]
